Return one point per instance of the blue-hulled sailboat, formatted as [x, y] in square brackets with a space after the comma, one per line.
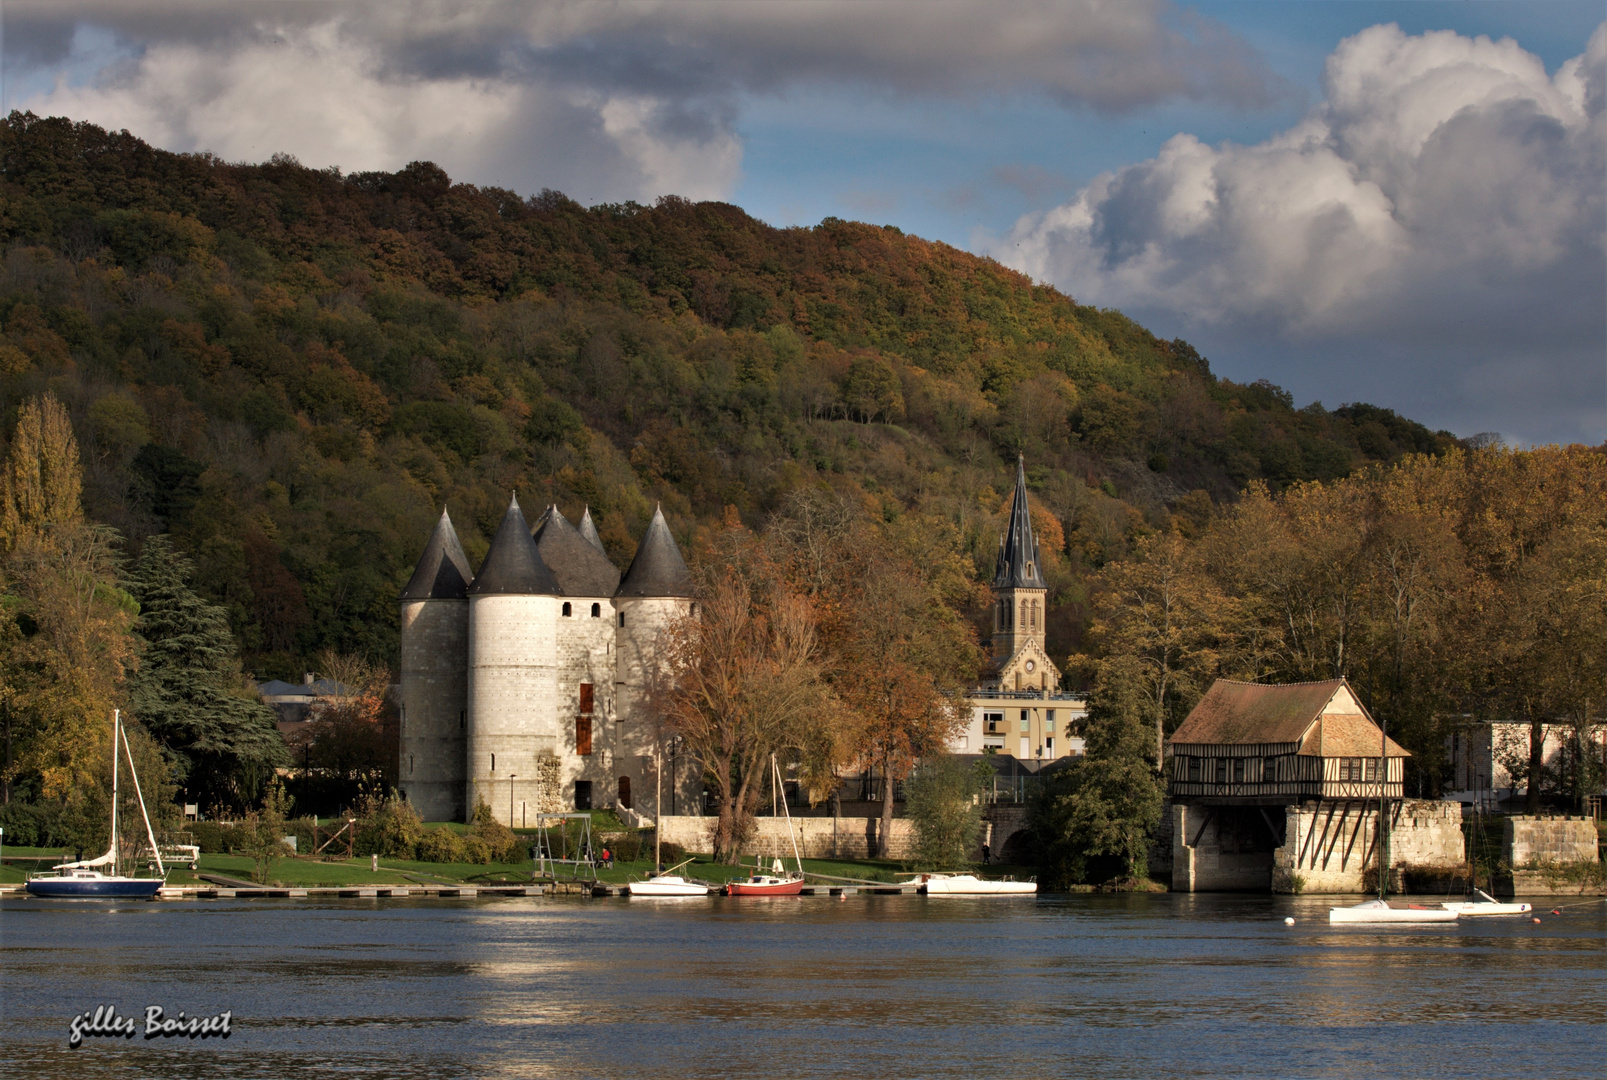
[83, 880]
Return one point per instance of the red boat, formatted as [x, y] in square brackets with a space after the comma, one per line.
[765, 885]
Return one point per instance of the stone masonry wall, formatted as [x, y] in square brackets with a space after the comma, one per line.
[1328, 847]
[1536, 841]
[852, 838]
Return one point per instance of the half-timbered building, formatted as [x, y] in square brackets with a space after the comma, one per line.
[1280, 787]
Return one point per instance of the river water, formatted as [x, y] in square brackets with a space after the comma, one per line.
[870, 986]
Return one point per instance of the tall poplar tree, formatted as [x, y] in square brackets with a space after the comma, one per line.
[189, 691]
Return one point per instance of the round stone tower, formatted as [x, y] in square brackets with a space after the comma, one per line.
[655, 591]
[435, 667]
[513, 732]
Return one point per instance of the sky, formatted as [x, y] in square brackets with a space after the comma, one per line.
[1398, 203]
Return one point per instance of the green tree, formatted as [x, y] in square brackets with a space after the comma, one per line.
[265, 831]
[942, 799]
[189, 691]
[1096, 821]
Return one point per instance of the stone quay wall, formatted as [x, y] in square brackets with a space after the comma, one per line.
[1533, 841]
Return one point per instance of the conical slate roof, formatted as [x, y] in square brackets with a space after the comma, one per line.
[443, 571]
[513, 566]
[1019, 566]
[581, 569]
[588, 529]
[658, 569]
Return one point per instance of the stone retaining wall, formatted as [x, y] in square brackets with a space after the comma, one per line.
[1531, 841]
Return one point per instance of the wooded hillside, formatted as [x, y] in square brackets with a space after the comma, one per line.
[291, 370]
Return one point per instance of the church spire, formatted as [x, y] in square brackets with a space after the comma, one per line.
[1018, 565]
[443, 571]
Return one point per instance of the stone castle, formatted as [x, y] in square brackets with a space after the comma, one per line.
[525, 686]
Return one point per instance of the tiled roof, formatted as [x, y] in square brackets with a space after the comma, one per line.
[1348, 735]
[1239, 712]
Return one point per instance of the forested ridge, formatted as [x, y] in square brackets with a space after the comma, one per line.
[290, 370]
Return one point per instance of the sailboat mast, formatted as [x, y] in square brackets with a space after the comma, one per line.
[1383, 807]
[117, 727]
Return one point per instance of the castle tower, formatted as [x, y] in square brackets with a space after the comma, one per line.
[1019, 595]
[513, 731]
[656, 590]
[585, 658]
[435, 665]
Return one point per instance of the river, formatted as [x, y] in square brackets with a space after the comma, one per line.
[870, 986]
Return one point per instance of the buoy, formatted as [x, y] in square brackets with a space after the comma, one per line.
[1537, 920]
[1556, 911]
[1289, 921]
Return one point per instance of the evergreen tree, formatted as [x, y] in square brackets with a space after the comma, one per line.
[189, 692]
[1096, 821]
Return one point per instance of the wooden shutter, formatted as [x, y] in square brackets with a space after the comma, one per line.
[582, 734]
[586, 698]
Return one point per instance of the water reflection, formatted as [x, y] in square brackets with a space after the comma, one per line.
[1117, 986]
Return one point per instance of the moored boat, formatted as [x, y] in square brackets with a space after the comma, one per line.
[765, 885]
[1377, 911]
[970, 885]
[667, 885]
[80, 880]
[1485, 904]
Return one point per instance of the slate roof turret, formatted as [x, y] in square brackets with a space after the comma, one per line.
[1018, 565]
[443, 570]
[512, 565]
[658, 569]
[581, 569]
[588, 529]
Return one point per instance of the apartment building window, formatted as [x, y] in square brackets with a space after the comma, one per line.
[1049, 722]
[1026, 721]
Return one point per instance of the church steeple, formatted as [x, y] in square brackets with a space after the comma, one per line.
[1018, 566]
[1019, 588]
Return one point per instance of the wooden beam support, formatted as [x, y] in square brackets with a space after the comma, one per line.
[1209, 814]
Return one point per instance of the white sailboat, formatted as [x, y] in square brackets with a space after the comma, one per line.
[1485, 904]
[82, 879]
[970, 885]
[668, 883]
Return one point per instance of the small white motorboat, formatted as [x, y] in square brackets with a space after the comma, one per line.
[1485, 904]
[1376, 911]
[969, 885]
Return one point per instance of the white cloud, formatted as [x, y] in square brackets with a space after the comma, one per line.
[605, 100]
[1448, 194]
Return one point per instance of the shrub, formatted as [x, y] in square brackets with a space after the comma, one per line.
[440, 845]
[476, 850]
[626, 847]
[391, 828]
[502, 842]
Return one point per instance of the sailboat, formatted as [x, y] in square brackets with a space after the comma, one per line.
[778, 882]
[669, 883]
[81, 879]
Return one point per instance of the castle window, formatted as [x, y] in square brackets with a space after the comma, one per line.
[493, 763]
[583, 735]
[463, 718]
[566, 609]
[410, 764]
[625, 792]
[622, 618]
[586, 698]
[597, 611]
